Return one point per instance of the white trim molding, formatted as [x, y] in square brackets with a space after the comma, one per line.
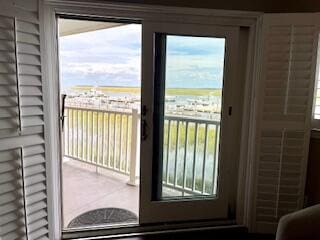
[49, 54]
[155, 12]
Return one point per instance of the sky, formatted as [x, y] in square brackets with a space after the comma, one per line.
[112, 57]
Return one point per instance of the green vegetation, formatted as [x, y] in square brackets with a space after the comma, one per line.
[133, 90]
[169, 92]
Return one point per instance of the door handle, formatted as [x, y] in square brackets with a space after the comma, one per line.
[63, 99]
[144, 110]
[144, 124]
[144, 132]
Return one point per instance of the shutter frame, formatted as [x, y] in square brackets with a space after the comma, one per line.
[280, 161]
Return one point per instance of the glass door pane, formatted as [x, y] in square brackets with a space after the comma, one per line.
[188, 71]
[193, 81]
[100, 85]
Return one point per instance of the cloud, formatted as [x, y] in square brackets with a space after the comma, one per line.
[113, 57]
[194, 62]
[88, 68]
[108, 56]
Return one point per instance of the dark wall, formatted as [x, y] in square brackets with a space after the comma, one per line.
[245, 5]
[313, 174]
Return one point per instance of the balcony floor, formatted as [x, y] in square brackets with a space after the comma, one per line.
[85, 189]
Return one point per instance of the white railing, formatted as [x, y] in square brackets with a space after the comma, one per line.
[104, 138]
[190, 155]
[109, 139]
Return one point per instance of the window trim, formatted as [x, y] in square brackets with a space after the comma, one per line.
[52, 8]
[315, 123]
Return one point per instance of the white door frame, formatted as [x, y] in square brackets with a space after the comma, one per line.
[138, 12]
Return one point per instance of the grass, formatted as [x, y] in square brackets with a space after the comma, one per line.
[169, 91]
[133, 90]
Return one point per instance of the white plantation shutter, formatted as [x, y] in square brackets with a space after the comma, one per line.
[285, 103]
[23, 197]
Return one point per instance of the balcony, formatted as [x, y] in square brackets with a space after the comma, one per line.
[87, 187]
[101, 157]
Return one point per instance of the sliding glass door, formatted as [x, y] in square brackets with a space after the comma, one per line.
[186, 121]
[179, 133]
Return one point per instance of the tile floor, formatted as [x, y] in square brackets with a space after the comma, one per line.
[86, 188]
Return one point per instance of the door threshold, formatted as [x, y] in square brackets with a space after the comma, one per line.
[134, 230]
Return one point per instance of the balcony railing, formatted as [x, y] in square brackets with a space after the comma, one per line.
[190, 155]
[110, 139]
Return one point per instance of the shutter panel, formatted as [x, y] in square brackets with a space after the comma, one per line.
[23, 196]
[287, 80]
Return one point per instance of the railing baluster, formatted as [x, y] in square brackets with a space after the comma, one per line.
[75, 133]
[120, 144]
[87, 136]
[72, 127]
[194, 157]
[168, 149]
[73, 130]
[109, 136]
[215, 157]
[204, 158]
[127, 141]
[69, 134]
[176, 154]
[91, 133]
[67, 143]
[114, 141]
[77, 114]
[97, 138]
[82, 139]
[133, 154]
[107, 144]
[103, 137]
[184, 177]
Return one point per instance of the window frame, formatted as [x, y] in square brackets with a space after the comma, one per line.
[315, 123]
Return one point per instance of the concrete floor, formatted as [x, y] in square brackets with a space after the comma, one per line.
[85, 188]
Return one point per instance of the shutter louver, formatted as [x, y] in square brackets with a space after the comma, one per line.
[23, 196]
[9, 113]
[288, 73]
[20, 79]
[12, 213]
